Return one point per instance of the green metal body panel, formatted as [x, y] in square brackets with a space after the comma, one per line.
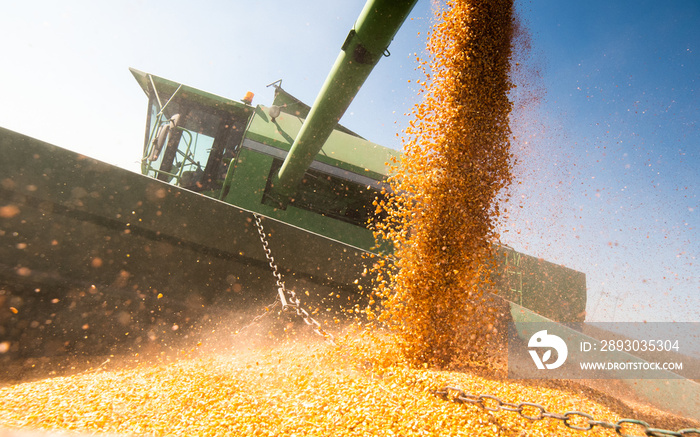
[342, 150]
[344, 154]
[554, 291]
[84, 243]
[248, 188]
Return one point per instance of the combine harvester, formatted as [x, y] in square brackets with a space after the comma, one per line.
[94, 257]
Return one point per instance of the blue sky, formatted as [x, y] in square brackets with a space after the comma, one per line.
[609, 150]
[611, 183]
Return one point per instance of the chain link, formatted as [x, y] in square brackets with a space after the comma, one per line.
[288, 298]
[534, 411]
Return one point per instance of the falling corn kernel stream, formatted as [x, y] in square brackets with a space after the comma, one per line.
[457, 163]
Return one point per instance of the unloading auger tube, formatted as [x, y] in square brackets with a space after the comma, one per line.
[364, 46]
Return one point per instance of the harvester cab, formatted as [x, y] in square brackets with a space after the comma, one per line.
[190, 140]
[232, 151]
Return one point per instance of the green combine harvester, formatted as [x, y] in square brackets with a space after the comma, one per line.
[92, 256]
[96, 259]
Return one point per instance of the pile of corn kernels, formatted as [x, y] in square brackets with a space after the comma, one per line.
[298, 388]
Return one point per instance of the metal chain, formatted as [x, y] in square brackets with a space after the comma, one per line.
[534, 411]
[288, 298]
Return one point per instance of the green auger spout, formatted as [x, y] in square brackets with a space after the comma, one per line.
[364, 46]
